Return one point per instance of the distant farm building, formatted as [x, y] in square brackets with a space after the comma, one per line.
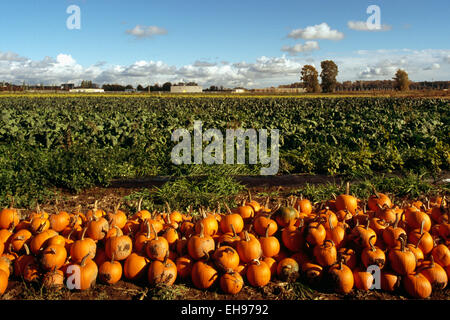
[239, 90]
[280, 90]
[86, 90]
[186, 89]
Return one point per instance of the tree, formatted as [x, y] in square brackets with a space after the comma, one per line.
[309, 78]
[401, 80]
[166, 86]
[328, 75]
[86, 84]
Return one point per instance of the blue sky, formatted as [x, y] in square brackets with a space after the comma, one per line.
[219, 42]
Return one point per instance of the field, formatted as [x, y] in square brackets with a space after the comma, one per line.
[70, 150]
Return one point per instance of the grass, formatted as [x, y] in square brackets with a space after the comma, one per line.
[409, 186]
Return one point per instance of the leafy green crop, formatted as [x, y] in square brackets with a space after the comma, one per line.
[76, 142]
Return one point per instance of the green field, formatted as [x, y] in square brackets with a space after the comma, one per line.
[56, 141]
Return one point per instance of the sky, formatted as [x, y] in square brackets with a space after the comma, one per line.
[232, 43]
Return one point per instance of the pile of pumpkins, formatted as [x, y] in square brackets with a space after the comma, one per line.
[332, 243]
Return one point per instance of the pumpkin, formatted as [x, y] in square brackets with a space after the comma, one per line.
[389, 281]
[162, 272]
[87, 270]
[135, 266]
[378, 200]
[209, 223]
[258, 273]
[231, 220]
[315, 233]
[3, 281]
[401, 259]
[225, 258]
[441, 255]
[231, 282]
[434, 273]
[95, 213]
[421, 239]
[184, 266]
[378, 225]
[293, 237]
[53, 257]
[349, 257]
[229, 238]
[313, 272]
[363, 280]
[82, 247]
[200, 245]
[326, 253]
[171, 235]
[337, 234]
[203, 274]
[341, 277]
[39, 240]
[417, 285]
[53, 280]
[303, 206]
[22, 261]
[18, 239]
[158, 247]
[416, 219]
[117, 218]
[373, 255]
[270, 245]
[59, 221]
[248, 248]
[392, 234]
[347, 201]
[9, 218]
[97, 228]
[142, 238]
[288, 269]
[6, 265]
[119, 246]
[361, 235]
[38, 224]
[245, 211]
[286, 215]
[272, 263]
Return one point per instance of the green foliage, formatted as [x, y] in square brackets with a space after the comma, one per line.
[53, 142]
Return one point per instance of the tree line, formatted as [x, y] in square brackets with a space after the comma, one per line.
[310, 81]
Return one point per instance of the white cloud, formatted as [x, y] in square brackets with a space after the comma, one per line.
[10, 56]
[319, 31]
[434, 66]
[363, 26]
[308, 46]
[261, 72]
[142, 32]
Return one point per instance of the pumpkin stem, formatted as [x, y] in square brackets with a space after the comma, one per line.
[372, 247]
[329, 222]
[267, 230]
[247, 237]
[118, 231]
[83, 261]
[202, 229]
[228, 208]
[249, 195]
[420, 239]
[375, 192]
[421, 226]
[266, 205]
[139, 204]
[402, 242]
[154, 231]
[347, 187]
[27, 249]
[234, 230]
[83, 233]
[367, 223]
